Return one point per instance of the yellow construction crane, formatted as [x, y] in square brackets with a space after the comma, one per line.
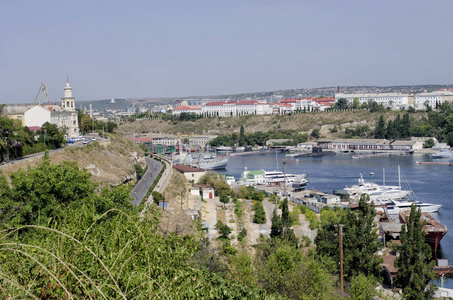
[42, 90]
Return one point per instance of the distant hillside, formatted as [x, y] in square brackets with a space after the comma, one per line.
[252, 123]
[273, 96]
[103, 105]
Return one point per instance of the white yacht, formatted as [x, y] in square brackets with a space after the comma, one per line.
[261, 177]
[279, 178]
[375, 191]
[447, 153]
[395, 206]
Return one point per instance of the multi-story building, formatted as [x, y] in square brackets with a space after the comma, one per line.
[65, 117]
[394, 100]
[195, 109]
[433, 98]
[201, 141]
[237, 108]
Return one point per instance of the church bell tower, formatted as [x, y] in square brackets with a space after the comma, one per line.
[68, 102]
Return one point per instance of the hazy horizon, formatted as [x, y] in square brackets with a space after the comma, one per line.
[155, 49]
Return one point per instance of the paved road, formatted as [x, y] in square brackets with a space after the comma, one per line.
[140, 190]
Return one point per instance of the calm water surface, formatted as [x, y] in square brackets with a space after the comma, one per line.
[430, 183]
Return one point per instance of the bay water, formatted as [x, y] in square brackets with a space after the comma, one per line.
[429, 183]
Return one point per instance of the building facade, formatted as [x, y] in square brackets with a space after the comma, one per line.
[433, 98]
[65, 117]
[394, 100]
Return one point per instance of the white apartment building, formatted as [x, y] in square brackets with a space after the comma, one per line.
[195, 109]
[433, 98]
[394, 100]
[166, 141]
[238, 108]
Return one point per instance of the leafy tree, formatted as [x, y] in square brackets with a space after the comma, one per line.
[224, 231]
[342, 104]
[224, 199]
[406, 126]
[85, 123]
[276, 225]
[157, 197]
[362, 288]
[429, 143]
[6, 137]
[260, 214]
[380, 129]
[284, 269]
[415, 267]
[217, 182]
[281, 226]
[355, 103]
[315, 133]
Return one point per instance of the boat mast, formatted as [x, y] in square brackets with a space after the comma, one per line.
[399, 177]
[276, 159]
[383, 175]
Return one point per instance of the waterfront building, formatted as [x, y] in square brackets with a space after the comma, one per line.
[354, 144]
[166, 141]
[141, 140]
[433, 98]
[200, 141]
[372, 144]
[394, 100]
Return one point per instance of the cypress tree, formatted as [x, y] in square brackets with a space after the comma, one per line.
[415, 268]
[242, 136]
[380, 129]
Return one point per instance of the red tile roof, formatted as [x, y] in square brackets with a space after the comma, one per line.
[34, 128]
[218, 103]
[247, 102]
[185, 107]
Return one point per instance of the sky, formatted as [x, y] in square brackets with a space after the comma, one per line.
[176, 48]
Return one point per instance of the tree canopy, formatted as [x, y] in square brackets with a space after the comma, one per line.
[415, 267]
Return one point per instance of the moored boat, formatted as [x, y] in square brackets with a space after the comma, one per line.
[433, 229]
[442, 154]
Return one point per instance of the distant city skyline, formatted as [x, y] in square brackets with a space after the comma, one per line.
[157, 49]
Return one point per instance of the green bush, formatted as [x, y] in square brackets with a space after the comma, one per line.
[260, 214]
[242, 234]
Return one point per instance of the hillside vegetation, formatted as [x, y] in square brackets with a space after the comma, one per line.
[304, 123]
[112, 164]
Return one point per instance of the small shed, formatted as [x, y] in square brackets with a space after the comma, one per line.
[203, 190]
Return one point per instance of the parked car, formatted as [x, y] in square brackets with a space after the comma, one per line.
[86, 141]
[93, 139]
[70, 141]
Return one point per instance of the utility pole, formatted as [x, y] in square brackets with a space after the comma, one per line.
[284, 178]
[181, 199]
[341, 256]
